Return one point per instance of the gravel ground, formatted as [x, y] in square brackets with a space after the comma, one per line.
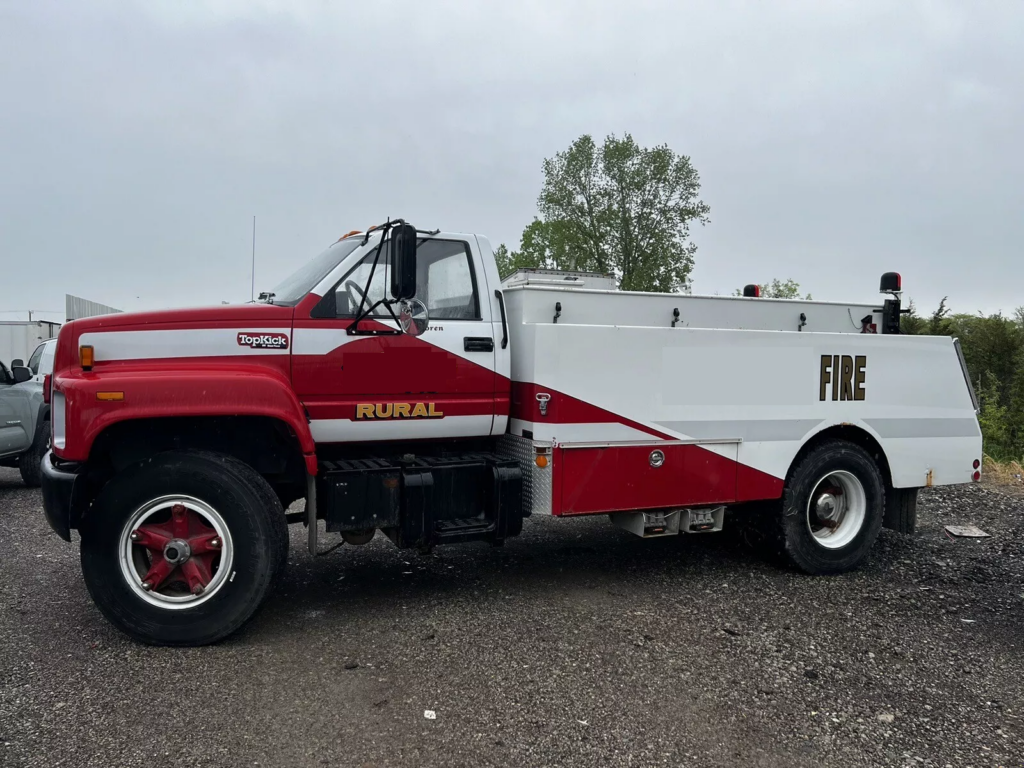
[575, 644]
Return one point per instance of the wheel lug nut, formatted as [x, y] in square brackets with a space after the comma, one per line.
[135, 536]
[197, 589]
[215, 542]
[147, 586]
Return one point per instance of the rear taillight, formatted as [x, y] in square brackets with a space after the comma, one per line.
[46, 388]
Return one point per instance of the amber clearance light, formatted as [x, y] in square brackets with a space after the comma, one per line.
[110, 396]
[86, 356]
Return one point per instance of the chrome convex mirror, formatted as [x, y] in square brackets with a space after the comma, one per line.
[412, 317]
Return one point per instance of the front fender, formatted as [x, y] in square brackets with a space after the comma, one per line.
[243, 390]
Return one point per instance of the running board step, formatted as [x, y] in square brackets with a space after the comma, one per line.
[464, 529]
[671, 522]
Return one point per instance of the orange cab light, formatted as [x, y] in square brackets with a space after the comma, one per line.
[542, 461]
[349, 234]
[86, 356]
[110, 396]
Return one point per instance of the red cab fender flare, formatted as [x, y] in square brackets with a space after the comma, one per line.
[95, 402]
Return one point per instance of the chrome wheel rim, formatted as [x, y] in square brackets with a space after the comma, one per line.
[176, 552]
[837, 509]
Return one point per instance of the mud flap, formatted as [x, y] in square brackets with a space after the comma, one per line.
[900, 510]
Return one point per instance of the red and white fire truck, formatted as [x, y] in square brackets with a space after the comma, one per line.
[397, 385]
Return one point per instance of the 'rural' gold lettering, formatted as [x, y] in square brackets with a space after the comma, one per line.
[398, 411]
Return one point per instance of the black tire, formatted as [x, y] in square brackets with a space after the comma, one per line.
[254, 519]
[28, 463]
[799, 544]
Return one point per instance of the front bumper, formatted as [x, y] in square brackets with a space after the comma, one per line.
[58, 489]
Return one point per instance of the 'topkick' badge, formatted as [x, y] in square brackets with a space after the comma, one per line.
[263, 340]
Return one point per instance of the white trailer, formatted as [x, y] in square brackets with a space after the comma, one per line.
[19, 338]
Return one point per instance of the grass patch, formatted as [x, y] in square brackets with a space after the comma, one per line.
[1003, 472]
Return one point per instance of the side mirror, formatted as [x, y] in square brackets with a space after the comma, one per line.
[403, 261]
[17, 362]
[21, 373]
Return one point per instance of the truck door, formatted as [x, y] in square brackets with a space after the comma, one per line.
[399, 387]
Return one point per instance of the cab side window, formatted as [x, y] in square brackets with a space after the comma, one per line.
[349, 292]
[33, 362]
[46, 361]
[445, 282]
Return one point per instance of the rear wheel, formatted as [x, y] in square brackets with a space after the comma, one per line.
[182, 549]
[832, 509]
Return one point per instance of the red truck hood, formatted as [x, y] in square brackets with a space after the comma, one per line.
[255, 317]
[211, 317]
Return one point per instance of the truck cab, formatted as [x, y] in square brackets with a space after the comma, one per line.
[456, 368]
[397, 387]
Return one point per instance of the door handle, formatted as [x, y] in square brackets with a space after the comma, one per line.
[478, 344]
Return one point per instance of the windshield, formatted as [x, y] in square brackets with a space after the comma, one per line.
[291, 290]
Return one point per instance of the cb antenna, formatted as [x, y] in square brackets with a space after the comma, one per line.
[252, 282]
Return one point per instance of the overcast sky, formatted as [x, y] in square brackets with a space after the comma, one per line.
[834, 140]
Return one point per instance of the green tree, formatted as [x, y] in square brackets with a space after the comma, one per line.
[912, 323]
[618, 208]
[993, 349]
[778, 289]
[534, 251]
[991, 344]
[937, 324]
[993, 420]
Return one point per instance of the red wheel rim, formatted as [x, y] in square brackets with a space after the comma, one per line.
[175, 551]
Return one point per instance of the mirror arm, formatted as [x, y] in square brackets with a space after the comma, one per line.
[354, 330]
[369, 280]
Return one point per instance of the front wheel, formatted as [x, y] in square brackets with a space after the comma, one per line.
[832, 508]
[31, 474]
[182, 549]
